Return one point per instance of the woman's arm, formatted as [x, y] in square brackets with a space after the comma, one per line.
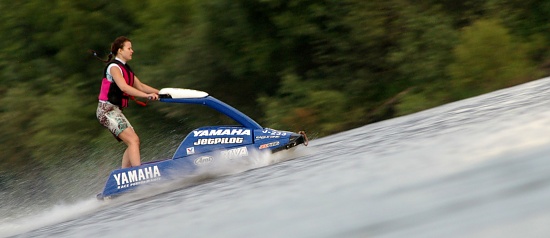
[144, 87]
[133, 91]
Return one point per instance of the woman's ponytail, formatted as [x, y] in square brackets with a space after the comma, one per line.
[99, 58]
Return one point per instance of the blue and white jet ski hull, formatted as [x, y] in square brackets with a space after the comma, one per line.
[203, 147]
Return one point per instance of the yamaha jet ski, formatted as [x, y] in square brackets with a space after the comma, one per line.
[203, 147]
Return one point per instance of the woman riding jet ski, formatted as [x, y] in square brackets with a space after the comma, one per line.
[203, 147]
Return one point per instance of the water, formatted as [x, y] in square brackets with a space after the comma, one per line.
[474, 168]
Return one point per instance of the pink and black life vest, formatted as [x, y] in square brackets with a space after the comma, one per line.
[110, 91]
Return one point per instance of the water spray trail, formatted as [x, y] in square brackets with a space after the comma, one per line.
[57, 214]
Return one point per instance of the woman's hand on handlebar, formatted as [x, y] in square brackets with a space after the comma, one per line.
[153, 96]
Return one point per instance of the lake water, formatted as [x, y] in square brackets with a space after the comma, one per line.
[474, 168]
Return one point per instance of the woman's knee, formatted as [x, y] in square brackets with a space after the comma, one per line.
[133, 140]
[129, 137]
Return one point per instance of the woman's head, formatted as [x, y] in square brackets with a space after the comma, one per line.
[122, 48]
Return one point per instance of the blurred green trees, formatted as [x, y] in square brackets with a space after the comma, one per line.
[487, 58]
[323, 66]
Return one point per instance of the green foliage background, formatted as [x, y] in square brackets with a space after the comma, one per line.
[322, 66]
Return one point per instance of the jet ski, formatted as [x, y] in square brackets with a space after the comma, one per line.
[203, 147]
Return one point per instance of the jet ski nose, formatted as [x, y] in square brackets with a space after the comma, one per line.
[297, 138]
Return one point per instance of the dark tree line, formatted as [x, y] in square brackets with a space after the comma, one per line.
[323, 66]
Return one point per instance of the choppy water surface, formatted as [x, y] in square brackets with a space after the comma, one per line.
[474, 168]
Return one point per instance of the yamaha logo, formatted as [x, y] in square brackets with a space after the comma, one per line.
[222, 132]
[138, 176]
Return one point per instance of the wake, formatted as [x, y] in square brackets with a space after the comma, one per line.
[61, 213]
[56, 214]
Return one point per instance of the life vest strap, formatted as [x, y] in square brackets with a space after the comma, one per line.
[143, 104]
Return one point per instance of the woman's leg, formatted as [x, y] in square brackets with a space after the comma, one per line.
[126, 159]
[131, 156]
